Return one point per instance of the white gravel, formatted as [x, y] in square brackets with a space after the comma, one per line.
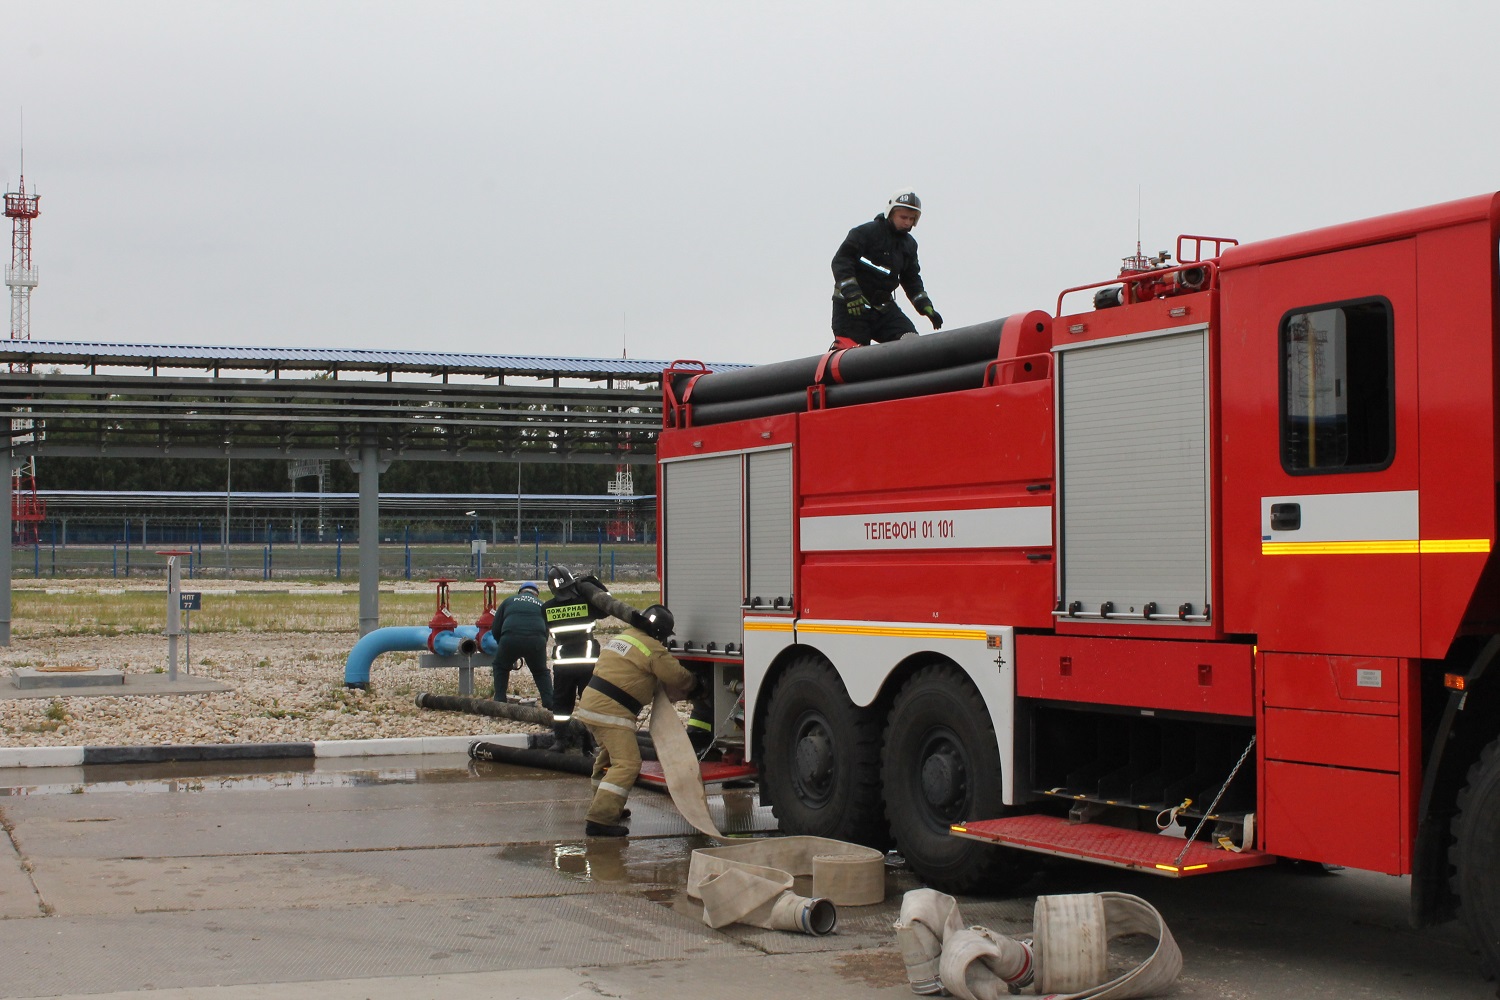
[287, 687]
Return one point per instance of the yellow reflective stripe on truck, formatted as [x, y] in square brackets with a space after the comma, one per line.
[1366, 548]
[902, 631]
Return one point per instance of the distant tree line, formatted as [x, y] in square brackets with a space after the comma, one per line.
[269, 475]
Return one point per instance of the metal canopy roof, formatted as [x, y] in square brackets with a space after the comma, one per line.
[322, 359]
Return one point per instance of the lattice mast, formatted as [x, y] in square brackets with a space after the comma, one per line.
[21, 277]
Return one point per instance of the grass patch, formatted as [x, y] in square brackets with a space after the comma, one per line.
[87, 614]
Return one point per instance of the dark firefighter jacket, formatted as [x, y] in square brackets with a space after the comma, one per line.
[520, 616]
[878, 242]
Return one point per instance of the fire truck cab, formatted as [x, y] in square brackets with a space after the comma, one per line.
[1194, 571]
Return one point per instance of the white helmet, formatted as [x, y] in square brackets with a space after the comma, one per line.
[905, 198]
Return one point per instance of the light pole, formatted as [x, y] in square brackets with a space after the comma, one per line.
[475, 549]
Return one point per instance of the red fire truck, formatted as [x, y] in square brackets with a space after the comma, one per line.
[1193, 572]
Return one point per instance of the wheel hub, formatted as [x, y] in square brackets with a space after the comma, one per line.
[944, 780]
[815, 762]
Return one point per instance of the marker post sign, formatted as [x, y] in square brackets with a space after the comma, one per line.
[174, 608]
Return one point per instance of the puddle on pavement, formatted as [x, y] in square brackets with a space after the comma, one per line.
[658, 864]
[148, 779]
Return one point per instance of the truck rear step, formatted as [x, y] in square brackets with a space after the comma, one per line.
[1135, 849]
[714, 772]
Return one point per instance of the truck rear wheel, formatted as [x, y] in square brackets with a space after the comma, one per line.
[822, 757]
[1475, 856]
[941, 766]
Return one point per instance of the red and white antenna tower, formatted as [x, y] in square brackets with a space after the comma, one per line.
[20, 207]
[21, 276]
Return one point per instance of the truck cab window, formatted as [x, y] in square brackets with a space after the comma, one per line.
[1338, 388]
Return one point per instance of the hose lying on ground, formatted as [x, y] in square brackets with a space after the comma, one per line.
[1067, 957]
[550, 760]
[496, 709]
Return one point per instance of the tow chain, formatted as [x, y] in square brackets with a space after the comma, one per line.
[1215, 803]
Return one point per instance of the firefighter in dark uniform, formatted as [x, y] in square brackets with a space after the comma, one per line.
[873, 260]
[570, 620]
[630, 667]
[520, 632]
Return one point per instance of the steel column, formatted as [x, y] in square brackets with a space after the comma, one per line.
[7, 527]
[368, 468]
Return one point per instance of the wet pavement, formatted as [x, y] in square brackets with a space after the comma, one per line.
[436, 876]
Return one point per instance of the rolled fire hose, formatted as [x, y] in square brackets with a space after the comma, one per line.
[1067, 956]
[751, 882]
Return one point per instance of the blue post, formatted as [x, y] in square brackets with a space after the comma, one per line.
[611, 565]
[338, 553]
[407, 536]
[270, 539]
[536, 555]
[36, 552]
[599, 562]
[54, 550]
[114, 560]
[126, 524]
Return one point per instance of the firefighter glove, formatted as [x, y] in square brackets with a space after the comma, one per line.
[854, 299]
[925, 307]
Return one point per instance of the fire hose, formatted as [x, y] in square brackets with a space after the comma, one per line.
[1066, 957]
[751, 883]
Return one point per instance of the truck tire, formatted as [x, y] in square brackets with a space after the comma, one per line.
[822, 757]
[941, 766]
[1475, 856]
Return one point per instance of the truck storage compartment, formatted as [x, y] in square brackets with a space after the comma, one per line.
[1145, 762]
[1339, 757]
[1216, 678]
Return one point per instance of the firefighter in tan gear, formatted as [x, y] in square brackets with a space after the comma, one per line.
[630, 667]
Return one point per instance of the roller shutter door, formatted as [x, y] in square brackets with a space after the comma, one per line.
[1134, 514]
[769, 492]
[702, 530]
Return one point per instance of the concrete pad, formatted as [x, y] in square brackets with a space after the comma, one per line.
[87, 887]
[844, 976]
[153, 951]
[30, 678]
[18, 897]
[374, 811]
[133, 684]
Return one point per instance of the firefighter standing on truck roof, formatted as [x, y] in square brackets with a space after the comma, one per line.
[520, 632]
[873, 259]
[624, 682]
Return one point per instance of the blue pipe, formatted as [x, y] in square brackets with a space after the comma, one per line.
[382, 640]
[411, 638]
[463, 639]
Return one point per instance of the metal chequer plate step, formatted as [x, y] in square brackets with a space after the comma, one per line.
[1147, 852]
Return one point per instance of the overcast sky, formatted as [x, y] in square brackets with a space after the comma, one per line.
[672, 178]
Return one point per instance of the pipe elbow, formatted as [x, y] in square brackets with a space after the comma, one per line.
[382, 640]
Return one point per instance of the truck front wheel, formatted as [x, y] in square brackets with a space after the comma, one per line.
[941, 766]
[1475, 856]
[822, 757]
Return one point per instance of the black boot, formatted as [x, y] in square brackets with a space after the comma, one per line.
[592, 829]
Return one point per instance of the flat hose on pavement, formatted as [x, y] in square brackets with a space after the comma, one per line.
[751, 882]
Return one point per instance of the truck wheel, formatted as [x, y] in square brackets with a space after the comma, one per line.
[941, 766]
[822, 757]
[1475, 856]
